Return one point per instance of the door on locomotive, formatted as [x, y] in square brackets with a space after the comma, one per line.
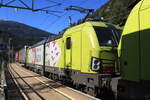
[67, 52]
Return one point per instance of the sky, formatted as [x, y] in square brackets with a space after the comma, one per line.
[53, 22]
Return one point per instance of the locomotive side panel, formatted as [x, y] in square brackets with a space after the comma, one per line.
[129, 43]
[29, 56]
[145, 39]
[22, 55]
[134, 53]
[38, 54]
[53, 53]
[33, 55]
[54, 57]
[76, 50]
[90, 48]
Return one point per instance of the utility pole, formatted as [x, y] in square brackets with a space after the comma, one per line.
[12, 53]
[9, 49]
[70, 21]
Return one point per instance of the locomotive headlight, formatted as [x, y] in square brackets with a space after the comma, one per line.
[95, 64]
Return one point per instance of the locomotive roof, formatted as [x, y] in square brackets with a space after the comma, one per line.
[51, 38]
[89, 23]
[54, 37]
[39, 43]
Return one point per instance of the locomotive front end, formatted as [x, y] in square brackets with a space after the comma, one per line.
[108, 38]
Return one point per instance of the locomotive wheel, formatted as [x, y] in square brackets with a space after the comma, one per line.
[106, 94]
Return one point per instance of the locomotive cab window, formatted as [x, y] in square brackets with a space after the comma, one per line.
[68, 43]
[105, 36]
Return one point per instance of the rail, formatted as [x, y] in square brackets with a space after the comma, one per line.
[32, 89]
[34, 85]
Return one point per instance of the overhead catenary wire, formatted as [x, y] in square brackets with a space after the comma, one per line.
[83, 2]
[54, 21]
[105, 19]
[25, 6]
[53, 1]
[58, 19]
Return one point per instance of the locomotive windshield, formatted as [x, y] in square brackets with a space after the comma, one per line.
[107, 36]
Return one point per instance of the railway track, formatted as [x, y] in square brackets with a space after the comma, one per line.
[32, 88]
[36, 87]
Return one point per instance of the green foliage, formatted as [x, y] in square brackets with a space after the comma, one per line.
[114, 11]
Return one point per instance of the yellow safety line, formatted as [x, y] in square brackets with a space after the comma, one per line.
[55, 89]
[52, 87]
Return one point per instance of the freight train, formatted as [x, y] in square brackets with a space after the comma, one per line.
[134, 53]
[85, 56]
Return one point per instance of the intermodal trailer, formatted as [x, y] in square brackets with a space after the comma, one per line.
[35, 56]
[17, 57]
[22, 55]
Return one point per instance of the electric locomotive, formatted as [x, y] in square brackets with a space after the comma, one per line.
[134, 55]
